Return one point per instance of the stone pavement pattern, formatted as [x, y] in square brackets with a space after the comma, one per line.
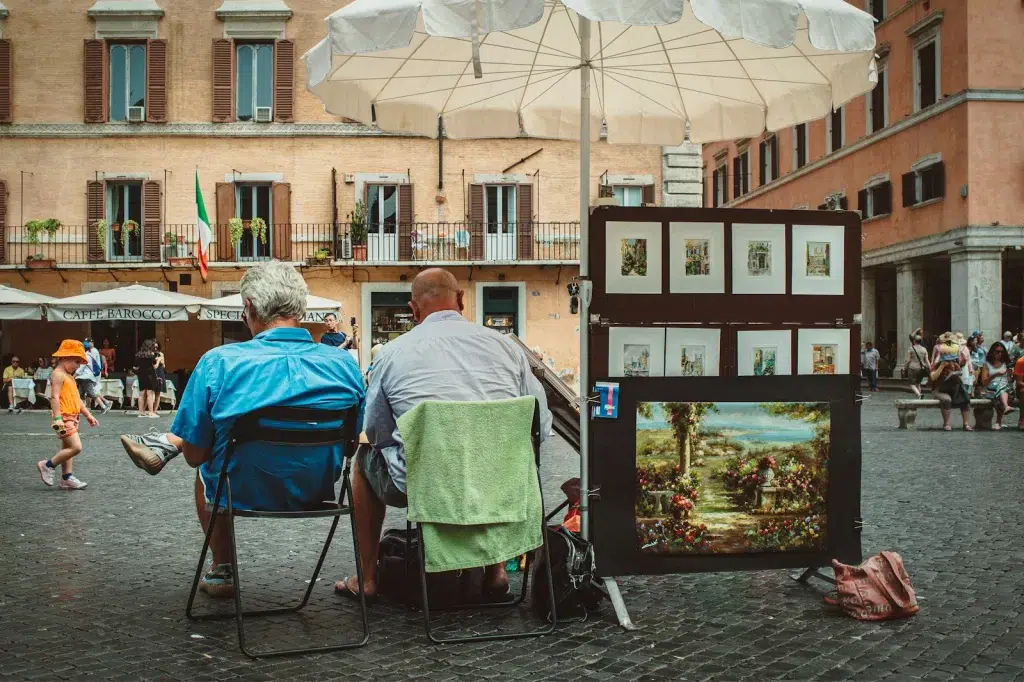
[94, 583]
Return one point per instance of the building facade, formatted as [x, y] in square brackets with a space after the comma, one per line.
[109, 109]
[932, 158]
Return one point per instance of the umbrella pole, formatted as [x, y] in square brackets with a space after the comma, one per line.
[585, 287]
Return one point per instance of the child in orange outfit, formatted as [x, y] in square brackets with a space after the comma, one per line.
[65, 408]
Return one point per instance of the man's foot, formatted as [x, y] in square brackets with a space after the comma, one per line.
[72, 483]
[45, 472]
[218, 583]
[150, 451]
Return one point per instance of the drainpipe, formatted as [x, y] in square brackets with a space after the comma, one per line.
[440, 155]
[334, 212]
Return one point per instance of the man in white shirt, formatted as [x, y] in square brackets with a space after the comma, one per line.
[445, 357]
[869, 358]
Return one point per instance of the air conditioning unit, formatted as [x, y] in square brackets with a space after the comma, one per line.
[136, 114]
[349, 178]
[264, 114]
[346, 248]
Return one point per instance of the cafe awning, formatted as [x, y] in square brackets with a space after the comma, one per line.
[229, 309]
[16, 304]
[134, 302]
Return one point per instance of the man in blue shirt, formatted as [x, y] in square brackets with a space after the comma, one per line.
[280, 366]
[332, 337]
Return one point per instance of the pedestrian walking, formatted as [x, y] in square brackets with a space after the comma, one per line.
[65, 408]
[917, 363]
[869, 358]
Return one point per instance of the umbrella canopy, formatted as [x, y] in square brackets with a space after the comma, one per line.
[16, 304]
[229, 309]
[133, 302]
[495, 68]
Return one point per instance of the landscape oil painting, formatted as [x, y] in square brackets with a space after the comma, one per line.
[732, 478]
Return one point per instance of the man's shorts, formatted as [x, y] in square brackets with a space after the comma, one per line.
[90, 388]
[375, 469]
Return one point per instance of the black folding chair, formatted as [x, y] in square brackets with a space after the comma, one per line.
[252, 428]
[535, 439]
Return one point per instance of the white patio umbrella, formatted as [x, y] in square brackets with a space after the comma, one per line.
[134, 302]
[501, 68]
[230, 308]
[16, 304]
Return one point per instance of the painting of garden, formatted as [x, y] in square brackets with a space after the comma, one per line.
[731, 478]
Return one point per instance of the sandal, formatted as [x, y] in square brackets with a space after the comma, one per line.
[968, 427]
[996, 427]
[342, 589]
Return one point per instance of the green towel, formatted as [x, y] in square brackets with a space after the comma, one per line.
[472, 481]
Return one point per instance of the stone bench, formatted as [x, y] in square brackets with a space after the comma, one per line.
[906, 409]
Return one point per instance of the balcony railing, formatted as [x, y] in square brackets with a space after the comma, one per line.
[309, 243]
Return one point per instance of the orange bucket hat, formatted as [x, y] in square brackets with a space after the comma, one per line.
[71, 348]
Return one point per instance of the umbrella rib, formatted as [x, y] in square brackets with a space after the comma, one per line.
[555, 53]
[600, 88]
[657, 50]
[646, 97]
[545, 91]
[675, 78]
[666, 42]
[440, 75]
[446, 89]
[823, 76]
[747, 73]
[497, 94]
[701, 92]
[629, 69]
[404, 62]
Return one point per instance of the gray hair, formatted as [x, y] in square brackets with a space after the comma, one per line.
[276, 290]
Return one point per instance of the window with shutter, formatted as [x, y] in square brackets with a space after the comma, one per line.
[254, 200]
[933, 182]
[281, 229]
[763, 160]
[909, 183]
[744, 172]
[225, 212]
[835, 131]
[127, 81]
[3, 222]
[95, 212]
[284, 81]
[254, 70]
[6, 82]
[223, 81]
[714, 189]
[405, 222]
[156, 81]
[95, 81]
[876, 8]
[524, 228]
[879, 200]
[799, 146]
[628, 195]
[476, 222]
[878, 101]
[926, 67]
[737, 173]
[774, 156]
[152, 222]
[862, 203]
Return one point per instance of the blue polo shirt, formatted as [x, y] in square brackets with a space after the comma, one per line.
[279, 367]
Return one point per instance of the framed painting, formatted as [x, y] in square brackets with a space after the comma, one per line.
[819, 260]
[823, 351]
[728, 474]
[758, 259]
[633, 258]
[697, 258]
[692, 352]
[764, 353]
[636, 352]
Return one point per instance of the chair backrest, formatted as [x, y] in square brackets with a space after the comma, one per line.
[298, 427]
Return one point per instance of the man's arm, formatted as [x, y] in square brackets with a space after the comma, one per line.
[193, 423]
[378, 420]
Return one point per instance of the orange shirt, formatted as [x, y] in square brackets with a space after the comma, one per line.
[1018, 369]
[69, 400]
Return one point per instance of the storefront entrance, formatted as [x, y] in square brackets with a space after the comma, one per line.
[125, 337]
[501, 309]
[390, 315]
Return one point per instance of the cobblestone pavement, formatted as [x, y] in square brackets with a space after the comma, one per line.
[93, 583]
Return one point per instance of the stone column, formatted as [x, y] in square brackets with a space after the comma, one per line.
[682, 176]
[869, 313]
[976, 291]
[909, 305]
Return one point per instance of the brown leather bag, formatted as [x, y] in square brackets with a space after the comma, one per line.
[878, 589]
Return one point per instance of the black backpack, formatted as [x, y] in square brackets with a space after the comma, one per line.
[572, 574]
[398, 575]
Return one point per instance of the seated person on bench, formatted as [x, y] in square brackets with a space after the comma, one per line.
[280, 366]
[445, 357]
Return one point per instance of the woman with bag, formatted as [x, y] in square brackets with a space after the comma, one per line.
[995, 382]
[917, 363]
[947, 381]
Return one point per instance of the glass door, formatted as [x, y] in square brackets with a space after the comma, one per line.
[500, 219]
[382, 222]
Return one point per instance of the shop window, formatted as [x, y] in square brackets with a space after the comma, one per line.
[390, 315]
[128, 82]
[124, 203]
[253, 200]
[501, 309]
[254, 96]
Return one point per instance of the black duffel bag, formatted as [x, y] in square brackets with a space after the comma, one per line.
[572, 574]
[398, 575]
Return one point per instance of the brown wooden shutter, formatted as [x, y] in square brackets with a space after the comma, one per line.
[405, 218]
[939, 178]
[282, 230]
[95, 81]
[763, 172]
[524, 226]
[284, 81]
[909, 188]
[476, 222]
[223, 82]
[151, 222]
[156, 81]
[648, 195]
[884, 197]
[775, 157]
[95, 212]
[3, 221]
[225, 212]
[6, 81]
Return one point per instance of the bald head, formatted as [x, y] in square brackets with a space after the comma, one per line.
[433, 291]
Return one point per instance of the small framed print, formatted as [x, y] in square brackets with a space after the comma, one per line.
[633, 258]
[823, 351]
[692, 352]
[764, 353]
[697, 258]
[758, 259]
[636, 352]
[818, 260]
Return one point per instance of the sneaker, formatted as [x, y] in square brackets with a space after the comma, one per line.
[107, 407]
[72, 483]
[45, 472]
[219, 582]
[150, 451]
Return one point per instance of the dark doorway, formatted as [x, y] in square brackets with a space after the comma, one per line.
[125, 337]
[501, 309]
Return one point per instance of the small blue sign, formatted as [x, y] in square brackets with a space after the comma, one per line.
[607, 401]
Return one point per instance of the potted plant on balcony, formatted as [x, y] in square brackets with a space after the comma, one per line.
[127, 228]
[33, 230]
[319, 257]
[258, 226]
[101, 235]
[357, 230]
[236, 228]
[175, 251]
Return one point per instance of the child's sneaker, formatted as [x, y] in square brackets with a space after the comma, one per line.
[45, 472]
[219, 582]
[72, 483]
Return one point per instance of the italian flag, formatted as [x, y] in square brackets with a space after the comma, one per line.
[205, 234]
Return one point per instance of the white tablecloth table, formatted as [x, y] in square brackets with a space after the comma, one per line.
[170, 394]
[24, 389]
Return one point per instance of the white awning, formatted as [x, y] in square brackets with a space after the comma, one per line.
[16, 304]
[229, 309]
[133, 303]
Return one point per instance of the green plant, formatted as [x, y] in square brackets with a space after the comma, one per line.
[320, 255]
[357, 222]
[235, 230]
[34, 227]
[127, 227]
[101, 234]
[172, 239]
[259, 228]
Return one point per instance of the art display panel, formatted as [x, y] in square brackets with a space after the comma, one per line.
[636, 352]
[823, 351]
[731, 477]
[819, 260]
[633, 258]
[758, 259]
[764, 353]
[697, 258]
[692, 352]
